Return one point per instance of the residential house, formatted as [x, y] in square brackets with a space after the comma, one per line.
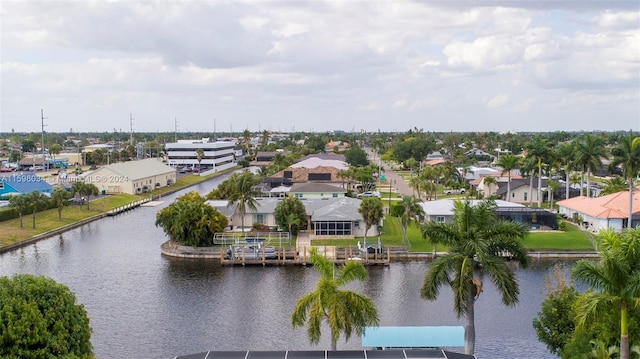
[595, 214]
[132, 177]
[441, 210]
[520, 192]
[327, 217]
[23, 183]
[316, 190]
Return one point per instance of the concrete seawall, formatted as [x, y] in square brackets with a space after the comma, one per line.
[170, 249]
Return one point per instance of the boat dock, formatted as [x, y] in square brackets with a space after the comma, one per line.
[127, 207]
[291, 256]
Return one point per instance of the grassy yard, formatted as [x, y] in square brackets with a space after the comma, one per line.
[572, 239]
[10, 231]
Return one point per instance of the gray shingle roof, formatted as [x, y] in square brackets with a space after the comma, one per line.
[135, 170]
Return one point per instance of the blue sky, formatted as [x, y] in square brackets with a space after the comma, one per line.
[320, 65]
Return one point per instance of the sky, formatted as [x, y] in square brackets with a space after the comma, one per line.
[315, 66]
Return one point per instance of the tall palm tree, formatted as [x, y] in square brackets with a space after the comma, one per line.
[508, 163]
[343, 310]
[477, 241]
[540, 150]
[528, 168]
[566, 153]
[371, 211]
[588, 154]
[552, 188]
[243, 195]
[20, 203]
[38, 202]
[489, 181]
[627, 155]
[406, 210]
[199, 156]
[615, 278]
[59, 196]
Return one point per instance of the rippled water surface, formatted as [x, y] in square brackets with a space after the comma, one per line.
[143, 305]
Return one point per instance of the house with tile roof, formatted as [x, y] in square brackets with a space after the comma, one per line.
[595, 214]
[132, 177]
[327, 217]
[23, 183]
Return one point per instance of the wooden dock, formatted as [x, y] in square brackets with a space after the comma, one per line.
[127, 207]
[291, 256]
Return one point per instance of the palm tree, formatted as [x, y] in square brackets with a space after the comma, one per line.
[371, 211]
[540, 150]
[627, 155]
[588, 154]
[20, 203]
[614, 185]
[615, 278]
[508, 163]
[59, 196]
[199, 157]
[38, 201]
[478, 241]
[243, 195]
[527, 170]
[566, 153]
[488, 182]
[553, 187]
[345, 311]
[406, 210]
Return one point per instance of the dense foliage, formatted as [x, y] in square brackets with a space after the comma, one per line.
[356, 157]
[291, 214]
[190, 221]
[39, 318]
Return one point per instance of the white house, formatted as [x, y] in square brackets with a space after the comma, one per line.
[610, 211]
[327, 217]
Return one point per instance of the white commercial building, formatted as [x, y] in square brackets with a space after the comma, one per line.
[217, 155]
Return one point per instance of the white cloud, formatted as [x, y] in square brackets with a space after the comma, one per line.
[498, 100]
[322, 64]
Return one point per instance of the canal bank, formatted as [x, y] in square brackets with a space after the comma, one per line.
[113, 212]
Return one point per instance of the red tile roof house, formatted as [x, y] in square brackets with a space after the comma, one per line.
[610, 211]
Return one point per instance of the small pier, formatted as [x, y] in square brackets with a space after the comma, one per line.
[127, 207]
[292, 256]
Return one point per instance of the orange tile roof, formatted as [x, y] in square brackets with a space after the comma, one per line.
[614, 205]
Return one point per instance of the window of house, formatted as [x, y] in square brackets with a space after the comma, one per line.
[513, 195]
[525, 196]
[440, 219]
[335, 195]
[260, 218]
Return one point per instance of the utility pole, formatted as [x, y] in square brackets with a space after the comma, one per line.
[175, 128]
[44, 165]
[214, 129]
[131, 129]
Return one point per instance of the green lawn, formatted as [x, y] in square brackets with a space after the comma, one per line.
[10, 231]
[572, 239]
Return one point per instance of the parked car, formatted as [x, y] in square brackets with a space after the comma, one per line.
[451, 191]
[368, 194]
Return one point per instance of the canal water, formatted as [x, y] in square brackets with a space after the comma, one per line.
[144, 305]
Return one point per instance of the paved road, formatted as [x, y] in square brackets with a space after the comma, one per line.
[398, 184]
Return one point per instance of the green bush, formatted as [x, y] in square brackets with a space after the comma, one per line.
[8, 213]
[39, 318]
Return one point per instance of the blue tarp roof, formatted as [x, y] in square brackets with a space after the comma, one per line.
[413, 337]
